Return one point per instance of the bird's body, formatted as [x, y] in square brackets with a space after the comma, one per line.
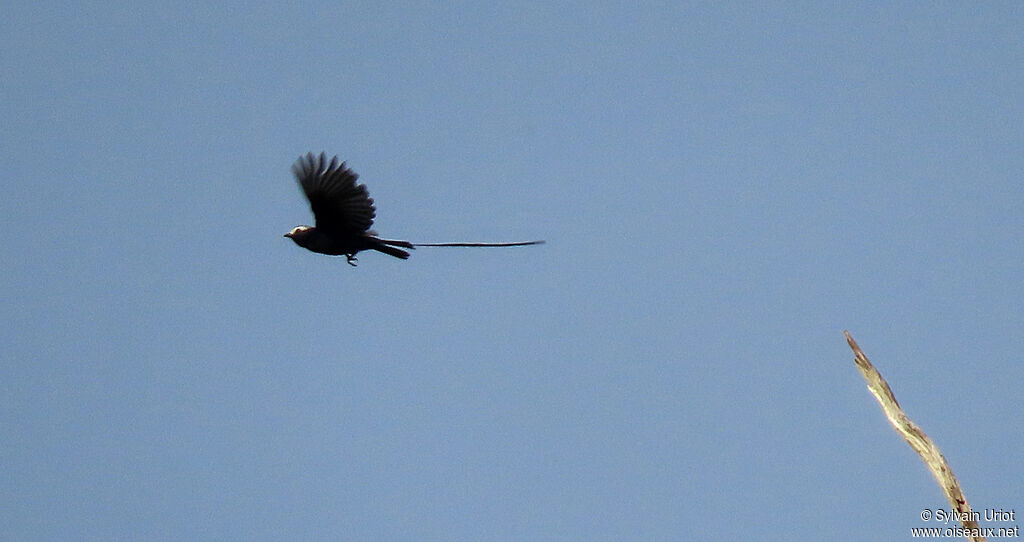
[317, 241]
[344, 212]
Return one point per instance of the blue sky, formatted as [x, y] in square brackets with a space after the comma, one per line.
[723, 187]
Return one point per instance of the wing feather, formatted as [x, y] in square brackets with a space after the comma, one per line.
[341, 206]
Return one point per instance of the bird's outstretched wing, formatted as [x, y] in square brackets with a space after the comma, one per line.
[341, 206]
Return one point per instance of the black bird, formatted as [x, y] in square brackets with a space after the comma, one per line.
[344, 212]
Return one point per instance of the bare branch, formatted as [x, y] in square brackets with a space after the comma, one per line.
[916, 438]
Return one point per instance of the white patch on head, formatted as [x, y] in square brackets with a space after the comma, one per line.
[298, 230]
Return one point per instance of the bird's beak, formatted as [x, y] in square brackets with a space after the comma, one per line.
[289, 234]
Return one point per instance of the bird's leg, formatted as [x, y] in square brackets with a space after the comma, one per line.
[351, 259]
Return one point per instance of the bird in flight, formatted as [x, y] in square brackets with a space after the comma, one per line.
[344, 212]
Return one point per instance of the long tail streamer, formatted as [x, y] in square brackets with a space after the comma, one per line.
[519, 244]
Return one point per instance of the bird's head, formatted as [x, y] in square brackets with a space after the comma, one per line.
[299, 232]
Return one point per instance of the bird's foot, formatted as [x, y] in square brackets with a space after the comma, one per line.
[351, 259]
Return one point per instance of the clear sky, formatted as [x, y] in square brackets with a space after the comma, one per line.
[723, 187]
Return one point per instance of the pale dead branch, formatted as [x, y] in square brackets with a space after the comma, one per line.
[916, 438]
